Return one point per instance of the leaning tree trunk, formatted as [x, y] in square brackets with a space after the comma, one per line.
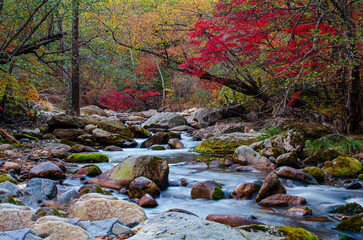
[75, 59]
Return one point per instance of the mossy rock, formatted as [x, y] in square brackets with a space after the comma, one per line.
[348, 209]
[315, 172]
[113, 126]
[11, 200]
[218, 193]
[50, 211]
[343, 166]
[157, 147]
[67, 142]
[224, 143]
[8, 141]
[270, 152]
[173, 135]
[93, 188]
[352, 224]
[322, 155]
[360, 176]
[294, 233]
[4, 177]
[88, 170]
[87, 158]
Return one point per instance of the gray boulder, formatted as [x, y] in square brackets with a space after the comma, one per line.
[103, 228]
[165, 120]
[21, 234]
[47, 170]
[64, 121]
[39, 190]
[8, 189]
[295, 174]
[92, 109]
[247, 156]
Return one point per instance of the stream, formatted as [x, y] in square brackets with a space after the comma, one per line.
[319, 198]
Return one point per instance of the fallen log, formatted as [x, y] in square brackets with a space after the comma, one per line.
[4, 134]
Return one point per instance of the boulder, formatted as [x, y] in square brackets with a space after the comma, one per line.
[348, 209]
[182, 128]
[102, 228]
[141, 186]
[159, 138]
[78, 148]
[57, 146]
[69, 134]
[343, 166]
[88, 170]
[59, 230]
[5, 146]
[208, 190]
[245, 191]
[289, 141]
[157, 147]
[224, 143]
[154, 168]
[147, 201]
[64, 121]
[4, 177]
[322, 155]
[92, 109]
[282, 200]
[295, 174]
[352, 224]
[299, 211]
[100, 208]
[271, 186]
[59, 153]
[149, 113]
[47, 170]
[270, 152]
[8, 189]
[113, 126]
[25, 233]
[108, 138]
[315, 172]
[87, 158]
[165, 120]
[12, 165]
[247, 156]
[139, 131]
[175, 143]
[287, 159]
[39, 190]
[112, 148]
[175, 225]
[239, 127]
[92, 188]
[15, 217]
[231, 220]
[89, 128]
[203, 118]
[67, 197]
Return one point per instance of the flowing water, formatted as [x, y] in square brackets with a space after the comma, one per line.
[319, 197]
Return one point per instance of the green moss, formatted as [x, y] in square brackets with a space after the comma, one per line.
[254, 228]
[102, 191]
[18, 145]
[58, 213]
[315, 172]
[352, 224]
[360, 176]
[87, 158]
[11, 200]
[67, 142]
[295, 233]
[94, 171]
[217, 193]
[348, 209]
[4, 177]
[344, 237]
[343, 166]
[322, 155]
[157, 147]
[270, 151]
[8, 141]
[94, 189]
[171, 135]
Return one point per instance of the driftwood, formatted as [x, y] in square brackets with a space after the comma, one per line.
[4, 134]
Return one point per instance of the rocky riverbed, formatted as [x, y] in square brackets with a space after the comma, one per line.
[115, 176]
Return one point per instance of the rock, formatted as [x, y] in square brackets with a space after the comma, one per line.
[348, 209]
[208, 190]
[244, 168]
[184, 182]
[21, 234]
[57, 146]
[59, 230]
[165, 120]
[92, 188]
[343, 166]
[173, 225]
[245, 191]
[257, 146]
[149, 113]
[271, 186]
[282, 200]
[108, 138]
[88, 170]
[175, 143]
[322, 155]
[299, 211]
[257, 232]
[352, 224]
[101, 208]
[87, 158]
[154, 168]
[202, 118]
[112, 148]
[119, 230]
[65, 198]
[47, 170]
[113, 126]
[59, 153]
[316, 173]
[181, 211]
[141, 186]
[5, 146]
[231, 220]
[147, 201]
[295, 174]
[100, 229]
[247, 156]
[354, 185]
[89, 128]
[239, 128]
[8, 189]
[289, 141]
[12, 165]
[271, 152]
[39, 190]
[64, 121]
[69, 134]
[49, 211]
[78, 148]
[287, 159]
[224, 143]
[139, 132]
[157, 147]
[159, 138]
[182, 128]
[4, 177]
[92, 109]
[15, 217]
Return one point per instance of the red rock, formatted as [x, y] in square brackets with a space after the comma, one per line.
[231, 220]
[281, 200]
[271, 186]
[147, 201]
[245, 191]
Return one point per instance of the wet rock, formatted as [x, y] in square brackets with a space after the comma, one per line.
[245, 191]
[69, 134]
[165, 120]
[348, 209]
[175, 143]
[112, 148]
[67, 197]
[47, 170]
[141, 186]
[271, 186]
[87, 158]
[6, 146]
[354, 185]
[208, 190]
[343, 166]
[224, 143]
[282, 200]
[159, 138]
[352, 224]
[154, 168]
[157, 147]
[247, 156]
[147, 201]
[184, 182]
[139, 132]
[12, 165]
[88, 170]
[100, 208]
[287, 159]
[92, 188]
[15, 217]
[295, 174]
[231, 220]
[182, 128]
[181, 211]
[316, 173]
[173, 225]
[299, 211]
[92, 109]
[244, 169]
[25, 233]
[60, 230]
[8, 189]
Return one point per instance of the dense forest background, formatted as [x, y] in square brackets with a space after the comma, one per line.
[131, 55]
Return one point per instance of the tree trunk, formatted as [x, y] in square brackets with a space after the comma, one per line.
[354, 107]
[6, 135]
[75, 60]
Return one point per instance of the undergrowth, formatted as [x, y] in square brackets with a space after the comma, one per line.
[269, 132]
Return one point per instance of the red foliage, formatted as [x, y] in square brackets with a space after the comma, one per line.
[294, 98]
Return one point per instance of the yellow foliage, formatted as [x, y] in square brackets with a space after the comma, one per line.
[20, 90]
